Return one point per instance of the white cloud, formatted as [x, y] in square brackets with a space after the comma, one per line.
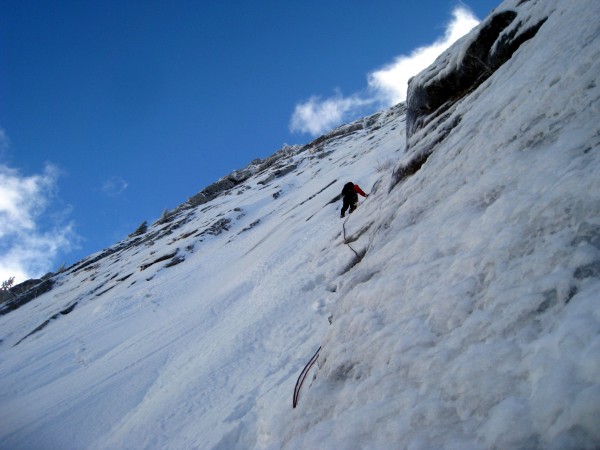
[386, 86]
[28, 245]
[114, 186]
[390, 82]
[317, 116]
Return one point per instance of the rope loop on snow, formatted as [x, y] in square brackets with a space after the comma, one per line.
[303, 376]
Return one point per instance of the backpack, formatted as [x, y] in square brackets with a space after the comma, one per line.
[348, 189]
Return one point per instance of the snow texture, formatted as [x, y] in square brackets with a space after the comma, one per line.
[457, 308]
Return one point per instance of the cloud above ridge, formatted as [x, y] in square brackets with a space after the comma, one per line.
[30, 241]
[316, 116]
[386, 86]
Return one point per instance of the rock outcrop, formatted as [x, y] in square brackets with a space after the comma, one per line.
[451, 78]
[23, 293]
[456, 73]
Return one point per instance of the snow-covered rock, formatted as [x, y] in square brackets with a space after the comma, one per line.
[469, 62]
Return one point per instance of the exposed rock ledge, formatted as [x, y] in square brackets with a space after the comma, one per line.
[459, 71]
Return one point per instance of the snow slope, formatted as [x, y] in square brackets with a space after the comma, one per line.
[469, 320]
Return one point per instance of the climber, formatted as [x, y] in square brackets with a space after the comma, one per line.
[350, 197]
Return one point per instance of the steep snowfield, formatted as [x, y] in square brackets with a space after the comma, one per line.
[178, 357]
[471, 321]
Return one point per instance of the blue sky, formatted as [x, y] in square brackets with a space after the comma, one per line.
[112, 111]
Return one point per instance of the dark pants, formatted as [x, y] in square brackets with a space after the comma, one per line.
[349, 202]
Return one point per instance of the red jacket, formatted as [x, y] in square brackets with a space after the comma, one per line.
[358, 190]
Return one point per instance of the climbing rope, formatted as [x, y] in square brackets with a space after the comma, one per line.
[303, 376]
[346, 240]
[312, 360]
